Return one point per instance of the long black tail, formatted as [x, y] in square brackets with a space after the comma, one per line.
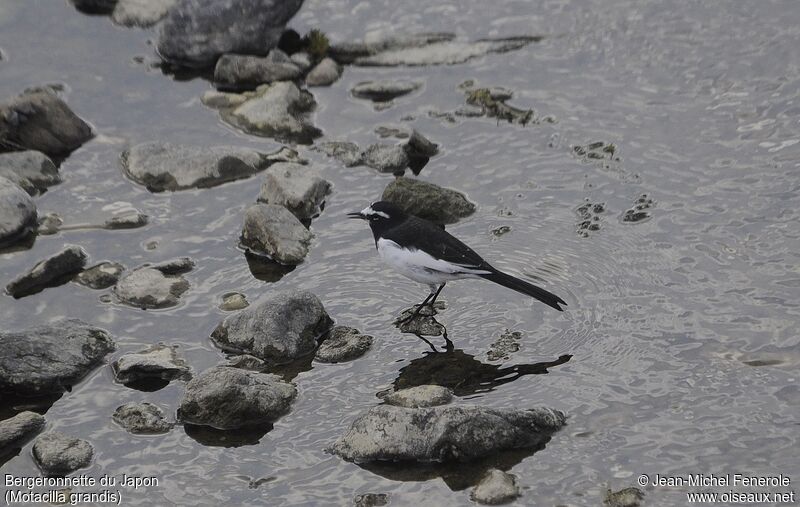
[524, 287]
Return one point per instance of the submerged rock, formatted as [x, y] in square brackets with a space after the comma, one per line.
[325, 73]
[272, 230]
[371, 500]
[386, 158]
[233, 301]
[246, 72]
[444, 53]
[495, 488]
[141, 418]
[429, 201]
[343, 344]
[100, 276]
[420, 396]
[41, 121]
[141, 13]
[129, 220]
[58, 454]
[628, 497]
[31, 170]
[17, 430]
[163, 166]
[175, 266]
[493, 105]
[424, 324]
[149, 288]
[55, 270]
[281, 328]
[196, 32]
[384, 91]
[349, 52]
[17, 212]
[347, 153]
[299, 188]
[229, 398]
[159, 361]
[449, 433]
[50, 358]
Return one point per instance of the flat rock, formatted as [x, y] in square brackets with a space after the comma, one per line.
[347, 153]
[299, 188]
[233, 301]
[128, 220]
[420, 396]
[495, 488]
[343, 344]
[272, 230]
[141, 13]
[41, 121]
[386, 158]
[58, 454]
[196, 32]
[444, 52]
[141, 418]
[159, 361]
[429, 201]
[176, 266]
[448, 433]
[17, 212]
[163, 166]
[384, 91]
[325, 73]
[149, 288]
[281, 328]
[31, 170]
[55, 270]
[17, 430]
[50, 358]
[238, 72]
[100, 276]
[349, 52]
[229, 398]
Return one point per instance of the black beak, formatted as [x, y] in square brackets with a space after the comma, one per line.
[355, 215]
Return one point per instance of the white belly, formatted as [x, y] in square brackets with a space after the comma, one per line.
[421, 267]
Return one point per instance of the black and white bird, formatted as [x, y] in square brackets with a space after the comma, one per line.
[426, 253]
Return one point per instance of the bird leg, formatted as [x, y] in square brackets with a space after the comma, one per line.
[428, 302]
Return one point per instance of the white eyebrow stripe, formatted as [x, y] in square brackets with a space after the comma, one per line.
[369, 211]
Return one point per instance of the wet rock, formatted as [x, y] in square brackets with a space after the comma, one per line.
[348, 154]
[272, 230]
[17, 430]
[280, 328]
[128, 220]
[149, 288]
[384, 91]
[280, 110]
[349, 52]
[100, 276]
[424, 324]
[141, 13]
[141, 418]
[55, 270]
[420, 396]
[17, 212]
[449, 433]
[196, 32]
[299, 188]
[420, 146]
[159, 361]
[233, 301]
[598, 150]
[94, 6]
[163, 166]
[639, 211]
[446, 52]
[58, 454]
[371, 500]
[49, 224]
[41, 121]
[230, 398]
[50, 358]
[495, 488]
[386, 158]
[343, 344]
[31, 170]
[505, 345]
[628, 497]
[218, 100]
[246, 72]
[501, 230]
[247, 362]
[175, 266]
[325, 73]
[429, 201]
[494, 107]
[589, 217]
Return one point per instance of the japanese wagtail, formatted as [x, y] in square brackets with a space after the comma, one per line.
[426, 253]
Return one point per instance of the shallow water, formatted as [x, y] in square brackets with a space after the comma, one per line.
[682, 326]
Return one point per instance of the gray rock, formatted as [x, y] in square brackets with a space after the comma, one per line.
[163, 166]
[49, 224]
[371, 500]
[302, 60]
[243, 71]
[343, 344]
[58, 454]
[272, 230]
[281, 328]
[347, 153]
[31, 170]
[51, 271]
[420, 146]
[495, 488]
[230, 398]
[325, 73]
[50, 358]
[17, 430]
[247, 362]
[175, 266]
[429, 201]
[219, 100]
[17, 212]
[299, 188]
[196, 32]
[504, 346]
[94, 6]
[156, 362]
[128, 220]
[445, 52]
[386, 158]
[384, 91]
[141, 418]
[141, 13]
[147, 287]
[628, 497]
[41, 121]
[449, 433]
[420, 396]
[101, 276]
[350, 51]
[233, 301]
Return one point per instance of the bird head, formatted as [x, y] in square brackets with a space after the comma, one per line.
[381, 214]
